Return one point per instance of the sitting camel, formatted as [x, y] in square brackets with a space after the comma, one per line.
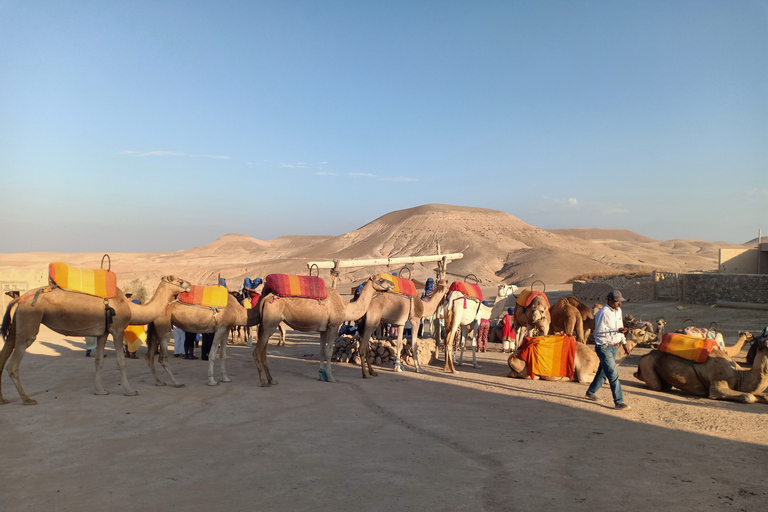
[397, 309]
[192, 318]
[566, 318]
[307, 315]
[586, 364]
[533, 319]
[719, 377]
[78, 314]
[587, 316]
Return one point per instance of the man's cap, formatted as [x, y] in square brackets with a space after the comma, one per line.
[617, 296]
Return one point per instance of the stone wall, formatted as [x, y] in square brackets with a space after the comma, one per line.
[691, 288]
[708, 288]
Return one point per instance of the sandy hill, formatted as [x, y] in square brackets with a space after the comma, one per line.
[497, 247]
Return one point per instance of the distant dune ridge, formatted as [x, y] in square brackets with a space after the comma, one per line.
[497, 247]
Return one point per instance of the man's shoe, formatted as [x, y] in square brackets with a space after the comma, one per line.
[590, 396]
[623, 407]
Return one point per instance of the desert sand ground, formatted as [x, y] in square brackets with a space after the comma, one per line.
[472, 441]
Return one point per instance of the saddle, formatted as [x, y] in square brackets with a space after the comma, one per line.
[549, 356]
[692, 348]
[526, 297]
[403, 286]
[97, 282]
[470, 291]
[206, 296]
[285, 285]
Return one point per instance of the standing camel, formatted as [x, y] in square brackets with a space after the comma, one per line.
[193, 318]
[566, 318]
[462, 313]
[78, 314]
[397, 309]
[307, 315]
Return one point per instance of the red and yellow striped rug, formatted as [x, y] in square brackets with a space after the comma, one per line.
[97, 282]
[285, 285]
[208, 296]
[549, 356]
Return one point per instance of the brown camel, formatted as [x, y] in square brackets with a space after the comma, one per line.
[200, 319]
[307, 315]
[397, 309]
[586, 364]
[566, 318]
[534, 318]
[77, 314]
[587, 316]
[719, 377]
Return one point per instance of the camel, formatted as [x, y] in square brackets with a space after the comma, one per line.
[534, 318]
[307, 315]
[397, 309]
[77, 314]
[587, 316]
[643, 332]
[463, 315]
[718, 378]
[200, 319]
[586, 364]
[566, 318]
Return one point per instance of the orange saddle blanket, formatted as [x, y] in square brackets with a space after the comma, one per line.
[97, 282]
[208, 296]
[472, 291]
[285, 285]
[688, 347]
[526, 297]
[402, 285]
[549, 356]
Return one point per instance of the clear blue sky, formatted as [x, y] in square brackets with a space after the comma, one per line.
[162, 125]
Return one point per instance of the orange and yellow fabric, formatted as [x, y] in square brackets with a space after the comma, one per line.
[471, 291]
[526, 297]
[549, 356]
[692, 348]
[97, 282]
[285, 285]
[208, 296]
[134, 336]
[402, 286]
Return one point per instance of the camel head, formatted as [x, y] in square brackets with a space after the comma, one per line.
[748, 335]
[177, 281]
[660, 326]
[380, 284]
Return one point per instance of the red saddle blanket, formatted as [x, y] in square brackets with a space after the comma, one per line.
[549, 356]
[526, 297]
[688, 347]
[402, 285]
[97, 282]
[208, 296]
[285, 285]
[472, 291]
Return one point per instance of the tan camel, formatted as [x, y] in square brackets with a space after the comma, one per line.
[200, 319]
[587, 316]
[719, 377]
[307, 315]
[462, 316]
[77, 314]
[566, 318]
[397, 309]
[585, 366]
[533, 319]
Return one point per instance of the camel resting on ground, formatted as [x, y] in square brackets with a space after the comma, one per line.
[719, 377]
[585, 365]
[533, 319]
[78, 314]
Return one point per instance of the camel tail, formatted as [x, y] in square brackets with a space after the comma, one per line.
[152, 337]
[7, 317]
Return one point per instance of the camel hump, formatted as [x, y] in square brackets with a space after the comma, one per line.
[208, 296]
[97, 282]
[472, 291]
[286, 285]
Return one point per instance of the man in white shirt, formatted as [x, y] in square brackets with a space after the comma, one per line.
[609, 334]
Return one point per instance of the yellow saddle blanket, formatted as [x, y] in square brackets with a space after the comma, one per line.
[98, 282]
[208, 296]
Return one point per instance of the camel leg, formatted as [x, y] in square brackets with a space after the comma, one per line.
[212, 358]
[719, 390]
[259, 355]
[10, 343]
[415, 349]
[326, 350]
[399, 348]
[13, 370]
[449, 366]
[153, 343]
[164, 362]
[117, 337]
[222, 334]
[281, 328]
[364, 344]
[646, 372]
[475, 327]
[101, 342]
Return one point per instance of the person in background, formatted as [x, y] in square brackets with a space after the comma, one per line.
[609, 334]
[90, 345]
[247, 288]
[482, 333]
[205, 347]
[189, 345]
[222, 282]
[178, 341]
[508, 339]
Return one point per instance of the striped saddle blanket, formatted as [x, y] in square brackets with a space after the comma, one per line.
[692, 348]
[208, 296]
[97, 282]
[526, 297]
[285, 285]
[471, 291]
[549, 356]
[402, 285]
[701, 332]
